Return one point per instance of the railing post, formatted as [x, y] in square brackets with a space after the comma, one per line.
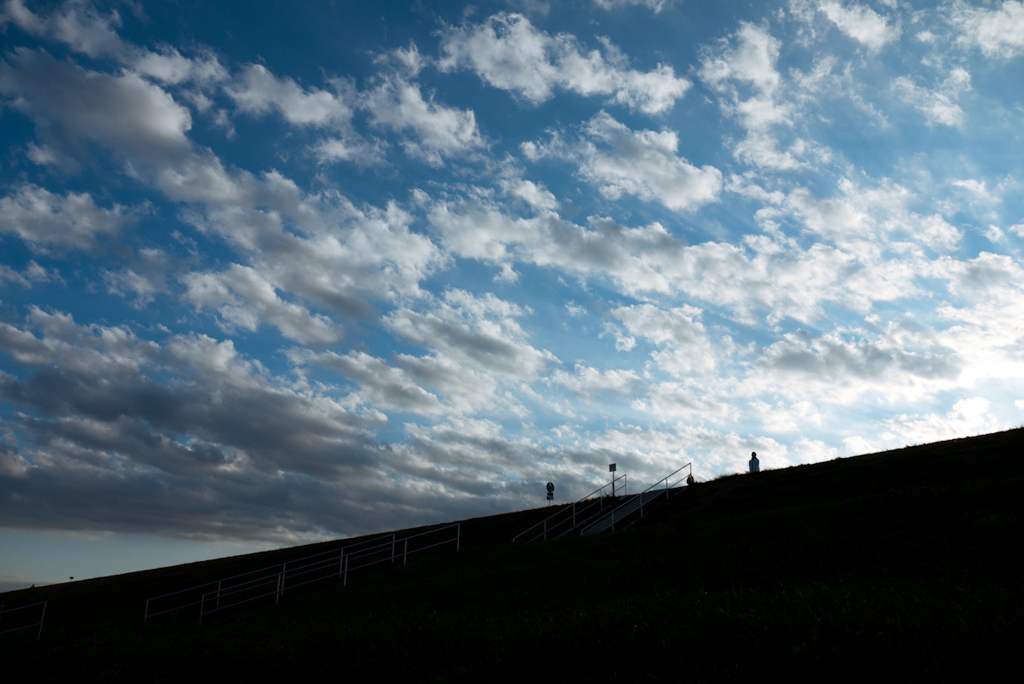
[42, 617]
[144, 617]
[344, 581]
[458, 537]
[392, 547]
[545, 530]
[202, 606]
[341, 562]
[277, 596]
[217, 606]
[405, 553]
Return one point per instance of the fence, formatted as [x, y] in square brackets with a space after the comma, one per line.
[22, 620]
[565, 520]
[275, 580]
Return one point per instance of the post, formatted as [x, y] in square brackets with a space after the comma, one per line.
[277, 596]
[405, 554]
[344, 582]
[392, 547]
[545, 529]
[202, 606]
[341, 563]
[218, 594]
[458, 537]
[144, 618]
[42, 617]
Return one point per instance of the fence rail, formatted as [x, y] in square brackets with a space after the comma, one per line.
[273, 581]
[566, 519]
[5, 618]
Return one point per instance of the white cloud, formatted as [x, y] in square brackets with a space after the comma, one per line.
[442, 131]
[24, 18]
[644, 164]
[684, 346]
[967, 417]
[589, 383]
[846, 366]
[78, 25]
[258, 91]
[45, 220]
[384, 387]
[143, 280]
[939, 106]
[744, 73]
[243, 298]
[171, 67]
[861, 23]
[350, 148]
[509, 53]
[654, 5]
[751, 61]
[997, 32]
[32, 274]
[788, 417]
[75, 106]
[478, 330]
[763, 275]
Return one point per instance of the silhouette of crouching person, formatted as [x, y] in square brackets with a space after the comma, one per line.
[755, 465]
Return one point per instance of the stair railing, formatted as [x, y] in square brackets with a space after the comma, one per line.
[570, 513]
[643, 497]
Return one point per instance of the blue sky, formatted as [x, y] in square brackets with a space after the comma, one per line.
[280, 272]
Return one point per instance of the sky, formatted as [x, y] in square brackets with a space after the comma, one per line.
[274, 273]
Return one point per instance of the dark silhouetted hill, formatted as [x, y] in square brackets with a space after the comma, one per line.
[902, 565]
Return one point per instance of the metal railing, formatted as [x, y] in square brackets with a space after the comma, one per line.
[5, 618]
[565, 519]
[648, 497]
[275, 580]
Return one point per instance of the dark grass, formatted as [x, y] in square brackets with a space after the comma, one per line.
[902, 566]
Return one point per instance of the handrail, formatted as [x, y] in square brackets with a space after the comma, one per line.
[337, 559]
[545, 521]
[42, 616]
[641, 497]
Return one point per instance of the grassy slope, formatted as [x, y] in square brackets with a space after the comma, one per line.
[898, 565]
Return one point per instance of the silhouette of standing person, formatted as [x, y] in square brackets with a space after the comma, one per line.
[755, 465]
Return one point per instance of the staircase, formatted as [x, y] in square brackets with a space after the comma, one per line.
[611, 513]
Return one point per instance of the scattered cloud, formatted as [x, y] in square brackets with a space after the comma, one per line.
[509, 53]
[442, 131]
[940, 105]
[860, 22]
[46, 221]
[997, 32]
